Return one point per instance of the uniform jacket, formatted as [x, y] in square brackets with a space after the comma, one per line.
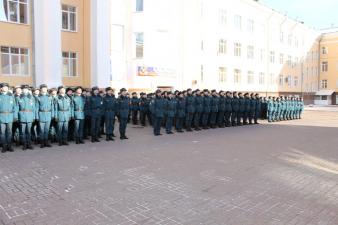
[8, 108]
[27, 108]
[96, 105]
[181, 107]
[123, 107]
[110, 106]
[214, 103]
[45, 107]
[171, 105]
[63, 108]
[79, 103]
[190, 101]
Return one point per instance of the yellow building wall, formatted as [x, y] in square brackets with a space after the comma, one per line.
[79, 42]
[330, 41]
[17, 35]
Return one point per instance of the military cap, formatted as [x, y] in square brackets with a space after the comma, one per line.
[197, 90]
[246, 93]
[77, 88]
[213, 91]
[109, 89]
[60, 87]
[95, 88]
[189, 89]
[256, 94]
[134, 93]
[24, 86]
[239, 93]
[220, 92]
[158, 91]
[235, 92]
[43, 86]
[169, 93]
[4, 85]
[228, 92]
[122, 90]
[69, 89]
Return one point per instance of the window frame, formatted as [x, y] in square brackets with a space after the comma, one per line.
[70, 58]
[27, 4]
[11, 74]
[68, 18]
[222, 74]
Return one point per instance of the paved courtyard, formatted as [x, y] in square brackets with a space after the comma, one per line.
[282, 173]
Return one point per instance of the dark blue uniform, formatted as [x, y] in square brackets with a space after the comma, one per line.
[96, 109]
[159, 105]
[180, 113]
[228, 110]
[221, 112]
[214, 111]
[110, 108]
[171, 105]
[241, 110]
[252, 110]
[198, 111]
[123, 113]
[145, 111]
[235, 114]
[206, 111]
[134, 107]
[190, 101]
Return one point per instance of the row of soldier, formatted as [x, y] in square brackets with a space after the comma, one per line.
[284, 108]
[65, 114]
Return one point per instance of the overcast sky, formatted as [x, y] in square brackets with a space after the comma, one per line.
[318, 14]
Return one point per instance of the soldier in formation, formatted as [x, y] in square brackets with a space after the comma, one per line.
[74, 114]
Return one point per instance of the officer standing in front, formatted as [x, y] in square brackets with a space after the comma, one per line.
[79, 114]
[45, 109]
[96, 108]
[8, 114]
[110, 108]
[64, 112]
[123, 112]
[27, 115]
[159, 109]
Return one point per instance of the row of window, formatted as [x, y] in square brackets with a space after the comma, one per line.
[17, 11]
[250, 27]
[222, 78]
[222, 50]
[15, 61]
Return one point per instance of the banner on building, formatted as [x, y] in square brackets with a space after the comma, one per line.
[155, 71]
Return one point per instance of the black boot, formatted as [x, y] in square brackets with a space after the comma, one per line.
[81, 141]
[30, 146]
[47, 144]
[93, 140]
[77, 141]
[42, 145]
[107, 138]
[65, 143]
[4, 149]
[24, 146]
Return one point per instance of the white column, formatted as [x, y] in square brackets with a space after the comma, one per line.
[100, 43]
[47, 42]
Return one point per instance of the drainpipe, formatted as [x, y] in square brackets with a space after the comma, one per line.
[33, 43]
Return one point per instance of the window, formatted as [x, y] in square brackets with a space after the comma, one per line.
[262, 55]
[14, 61]
[222, 46]
[237, 76]
[68, 18]
[251, 78]
[237, 49]
[295, 81]
[324, 50]
[290, 39]
[250, 26]
[281, 37]
[325, 66]
[69, 64]
[261, 78]
[139, 5]
[281, 59]
[15, 11]
[250, 52]
[281, 80]
[139, 43]
[202, 73]
[222, 16]
[272, 57]
[289, 60]
[288, 80]
[222, 74]
[323, 84]
[238, 22]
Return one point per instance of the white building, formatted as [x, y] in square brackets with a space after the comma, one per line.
[219, 44]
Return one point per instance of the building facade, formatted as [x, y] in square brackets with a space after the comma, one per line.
[55, 42]
[328, 79]
[231, 45]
